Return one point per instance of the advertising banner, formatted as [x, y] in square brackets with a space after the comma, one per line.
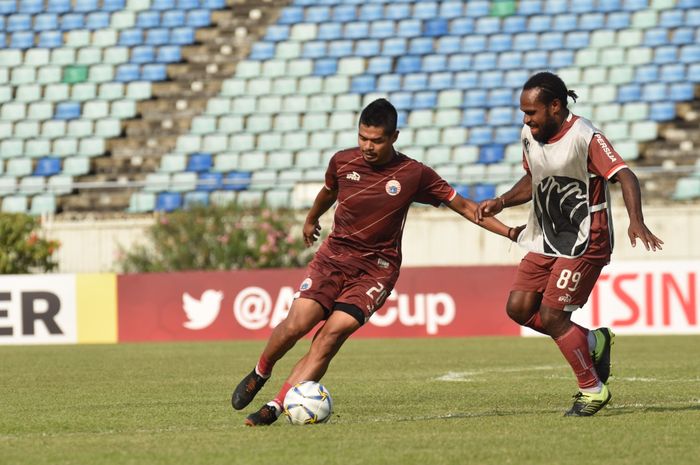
[427, 302]
[37, 309]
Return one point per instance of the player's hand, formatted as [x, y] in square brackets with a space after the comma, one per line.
[486, 208]
[641, 232]
[311, 232]
[513, 233]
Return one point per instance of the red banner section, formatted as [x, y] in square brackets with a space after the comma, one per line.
[427, 302]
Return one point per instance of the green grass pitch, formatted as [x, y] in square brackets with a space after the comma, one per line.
[428, 401]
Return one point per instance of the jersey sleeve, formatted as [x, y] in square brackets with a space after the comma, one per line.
[432, 189]
[603, 160]
[331, 180]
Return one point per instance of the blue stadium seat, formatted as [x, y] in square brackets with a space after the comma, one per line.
[291, 15]
[449, 44]
[515, 78]
[277, 33]
[97, 20]
[50, 39]
[662, 111]
[363, 84]
[646, 73]
[576, 40]
[85, 6]
[440, 81]
[199, 162]
[485, 61]
[22, 39]
[161, 36]
[330, 31]
[435, 27]
[461, 26]
[487, 25]
[682, 91]
[262, 51]
[525, 41]
[551, 41]
[143, 54]
[609, 6]
[163, 5]
[214, 4]
[154, 72]
[433, 63]
[654, 92]
[173, 18]
[379, 65]
[210, 182]
[111, 5]
[31, 6]
[131, 37]
[618, 20]
[477, 8]
[655, 36]
[67, 110]
[317, 14]
[475, 98]
[356, 30]
[540, 23]
[491, 79]
[480, 135]
[509, 60]
[408, 64]
[507, 134]
[529, 7]
[500, 116]
[482, 192]
[491, 153]
[394, 47]
[187, 5]
[561, 59]
[629, 93]
[415, 81]
[343, 13]
[473, 117]
[591, 21]
[9, 7]
[198, 18]
[424, 100]
[314, 49]
[500, 42]
[371, 11]
[683, 36]
[501, 98]
[389, 83]
[127, 73]
[18, 22]
[635, 5]
[514, 24]
[237, 180]
[690, 54]
[340, 48]
[47, 166]
[565, 22]
[474, 44]
[671, 18]
[70, 21]
[168, 201]
[325, 67]
[382, 29]
[148, 19]
[180, 36]
[673, 73]
[169, 54]
[425, 9]
[459, 62]
[466, 80]
[402, 100]
[421, 46]
[665, 54]
[451, 9]
[555, 6]
[397, 11]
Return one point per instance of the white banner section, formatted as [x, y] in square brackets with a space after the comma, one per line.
[648, 297]
[37, 309]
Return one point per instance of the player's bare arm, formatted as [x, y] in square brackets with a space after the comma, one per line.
[324, 200]
[519, 194]
[633, 202]
[468, 209]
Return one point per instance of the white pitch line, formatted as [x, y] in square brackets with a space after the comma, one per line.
[465, 376]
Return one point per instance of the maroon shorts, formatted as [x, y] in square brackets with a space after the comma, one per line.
[356, 285]
[565, 283]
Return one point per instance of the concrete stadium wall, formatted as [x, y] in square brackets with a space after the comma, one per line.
[432, 237]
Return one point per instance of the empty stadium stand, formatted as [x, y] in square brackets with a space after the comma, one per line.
[143, 105]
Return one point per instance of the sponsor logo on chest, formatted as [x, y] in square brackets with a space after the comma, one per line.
[354, 176]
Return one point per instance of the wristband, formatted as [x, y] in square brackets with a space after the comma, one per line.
[503, 202]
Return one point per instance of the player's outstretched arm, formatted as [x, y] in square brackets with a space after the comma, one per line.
[632, 196]
[519, 194]
[323, 201]
[468, 209]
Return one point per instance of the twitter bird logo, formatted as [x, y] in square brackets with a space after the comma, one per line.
[201, 313]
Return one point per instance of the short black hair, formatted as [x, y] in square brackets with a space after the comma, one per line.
[551, 87]
[381, 114]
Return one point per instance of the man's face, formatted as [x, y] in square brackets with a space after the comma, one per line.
[538, 116]
[377, 147]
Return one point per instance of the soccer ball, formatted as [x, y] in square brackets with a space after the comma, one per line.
[308, 402]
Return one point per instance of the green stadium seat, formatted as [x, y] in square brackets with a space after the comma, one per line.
[15, 204]
[142, 202]
[60, 184]
[76, 166]
[32, 184]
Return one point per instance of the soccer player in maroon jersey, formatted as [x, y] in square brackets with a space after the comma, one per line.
[568, 163]
[356, 267]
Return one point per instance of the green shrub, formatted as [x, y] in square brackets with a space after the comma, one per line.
[219, 238]
[22, 250]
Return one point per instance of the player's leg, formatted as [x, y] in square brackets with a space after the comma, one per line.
[526, 295]
[312, 366]
[570, 284]
[303, 316]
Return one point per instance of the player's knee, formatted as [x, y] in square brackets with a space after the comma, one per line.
[517, 311]
[554, 321]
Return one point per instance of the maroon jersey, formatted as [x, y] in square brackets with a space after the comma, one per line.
[373, 202]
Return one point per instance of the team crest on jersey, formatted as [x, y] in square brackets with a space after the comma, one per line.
[393, 187]
[354, 176]
[526, 145]
[306, 284]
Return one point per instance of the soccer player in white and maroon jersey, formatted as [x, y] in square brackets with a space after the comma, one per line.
[356, 267]
[568, 163]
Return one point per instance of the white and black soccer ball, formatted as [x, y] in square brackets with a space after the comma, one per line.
[307, 403]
